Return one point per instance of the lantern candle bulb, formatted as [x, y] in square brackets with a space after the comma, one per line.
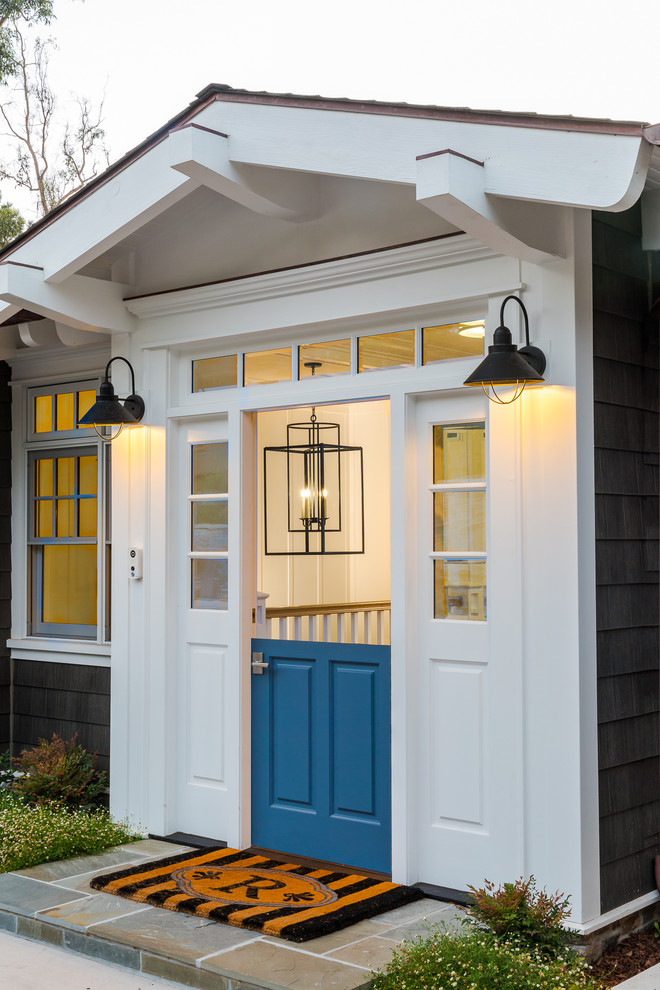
[304, 498]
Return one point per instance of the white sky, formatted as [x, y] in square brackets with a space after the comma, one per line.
[582, 57]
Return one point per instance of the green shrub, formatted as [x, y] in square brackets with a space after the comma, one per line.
[472, 959]
[520, 911]
[59, 770]
[40, 833]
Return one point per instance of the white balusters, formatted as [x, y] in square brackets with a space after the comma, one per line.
[353, 624]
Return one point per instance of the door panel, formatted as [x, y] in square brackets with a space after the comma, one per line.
[321, 751]
[202, 713]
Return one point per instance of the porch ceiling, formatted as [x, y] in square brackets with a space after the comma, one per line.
[225, 240]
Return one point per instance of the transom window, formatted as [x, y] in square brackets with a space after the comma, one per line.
[53, 412]
[459, 521]
[410, 347]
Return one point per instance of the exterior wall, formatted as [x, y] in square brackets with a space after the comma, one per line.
[64, 698]
[58, 685]
[626, 485]
[5, 552]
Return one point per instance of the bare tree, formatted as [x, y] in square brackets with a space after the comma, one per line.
[53, 157]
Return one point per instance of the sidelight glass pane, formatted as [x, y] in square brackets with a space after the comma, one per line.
[209, 583]
[459, 521]
[87, 517]
[209, 525]
[386, 350]
[459, 589]
[334, 357]
[64, 410]
[43, 414]
[459, 453]
[65, 511]
[217, 372]
[68, 595]
[44, 477]
[87, 475]
[43, 518]
[453, 340]
[66, 475]
[209, 468]
[265, 367]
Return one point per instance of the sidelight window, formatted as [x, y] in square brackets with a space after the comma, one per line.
[459, 521]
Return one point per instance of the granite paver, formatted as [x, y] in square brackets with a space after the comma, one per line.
[177, 936]
[23, 895]
[94, 910]
[277, 966]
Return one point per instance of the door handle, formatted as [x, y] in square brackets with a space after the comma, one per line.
[258, 665]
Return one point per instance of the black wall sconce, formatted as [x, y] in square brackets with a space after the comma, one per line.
[316, 474]
[108, 409]
[506, 365]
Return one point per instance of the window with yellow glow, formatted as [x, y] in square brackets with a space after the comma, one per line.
[215, 372]
[386, 350]
[68, 537]
[56, 412]
[208, 501]
[458, 504]
[453, 340]
[266, 367]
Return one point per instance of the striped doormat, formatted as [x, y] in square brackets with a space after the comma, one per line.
[266, 895]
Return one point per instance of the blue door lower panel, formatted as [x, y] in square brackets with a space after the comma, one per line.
[321, 752]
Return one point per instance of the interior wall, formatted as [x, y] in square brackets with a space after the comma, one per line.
[326, 579]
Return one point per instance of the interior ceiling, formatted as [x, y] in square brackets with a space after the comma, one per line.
[206, 237]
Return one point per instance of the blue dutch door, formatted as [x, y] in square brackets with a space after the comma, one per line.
[321, 751]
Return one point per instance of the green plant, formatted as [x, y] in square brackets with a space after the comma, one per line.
[59, 770]
[471, 959]
[39, 833]
[520, 911]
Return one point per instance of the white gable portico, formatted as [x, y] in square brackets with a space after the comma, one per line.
[401, 675]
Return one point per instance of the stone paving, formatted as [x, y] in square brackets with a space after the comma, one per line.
[54, 903]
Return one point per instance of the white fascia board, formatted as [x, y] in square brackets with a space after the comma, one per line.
[116, 209]
[599, 172]
[569, 168]
[453, 186]
[82, 303]
[205, 156]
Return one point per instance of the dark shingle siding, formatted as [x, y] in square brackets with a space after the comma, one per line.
[65, 698]
[626, 398]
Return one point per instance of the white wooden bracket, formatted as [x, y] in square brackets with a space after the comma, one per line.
[205, 156]
[453, 186]
[80, 302]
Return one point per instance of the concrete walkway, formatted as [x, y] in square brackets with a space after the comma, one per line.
[54, 903]
[648, 980]
[28, 965]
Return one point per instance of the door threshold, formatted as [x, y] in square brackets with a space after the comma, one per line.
[186, 839]
[318, 864]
